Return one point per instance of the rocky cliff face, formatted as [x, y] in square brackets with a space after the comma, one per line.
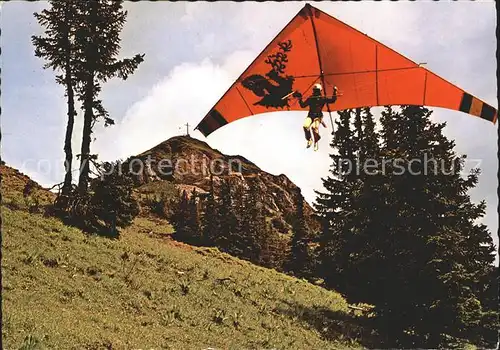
[188, 162]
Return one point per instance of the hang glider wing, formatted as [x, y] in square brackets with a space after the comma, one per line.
[314, 47]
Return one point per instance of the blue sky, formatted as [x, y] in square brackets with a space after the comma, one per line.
[194, 51]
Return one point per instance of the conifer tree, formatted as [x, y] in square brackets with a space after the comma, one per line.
[273, 249]
[98, 42]
[111, 198]
[405, 238]
[57, 46]
[193, 221]
[333, 205]
[239, 239]
[358, 128]
[82, 40]
[370, 141]
[180, 218]
[186, 219]
[436, 227]
[252, 223]
[281, 251]
[228, 222]
[300, 261]
[210, 218]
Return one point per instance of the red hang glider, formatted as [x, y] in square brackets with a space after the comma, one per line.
[315, 47]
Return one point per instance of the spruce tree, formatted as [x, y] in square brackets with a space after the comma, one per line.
[57, 46]
[405, 238]
[193, 221]
[180, 218]
[266, 257]
[239, 240]
[358, 128]
[210, 218]
[228, 222]
[300, 261]
[111, 198]
[98, 41]
[273, 249]
[436, 228]
[333, 205]
[252, 223]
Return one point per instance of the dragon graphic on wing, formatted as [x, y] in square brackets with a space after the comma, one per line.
[275, 85]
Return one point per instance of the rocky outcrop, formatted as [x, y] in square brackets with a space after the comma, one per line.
[187, 161]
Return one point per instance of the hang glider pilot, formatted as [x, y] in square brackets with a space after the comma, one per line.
[314, 118]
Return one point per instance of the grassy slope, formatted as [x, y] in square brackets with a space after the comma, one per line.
[70, 290]
[12, 186]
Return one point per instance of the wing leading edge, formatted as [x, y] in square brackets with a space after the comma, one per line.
[316, 47]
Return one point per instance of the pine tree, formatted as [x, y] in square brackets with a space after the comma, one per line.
[266, 258]
[487, 332]
[333, 205]
[186, 219]
[363, 205]
[300, 261]
[404, 238]
[58, 48]
[358, 128]
[436, 227]
[281, 251]
[111, 199]
[370, 141]
[252, 224]
[239, 240]
[228, 222]
[98, 41]
[180, 218]
[193, 221]
[210, 218]
[273, 249]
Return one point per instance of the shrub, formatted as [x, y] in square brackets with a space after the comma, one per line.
[107, 205]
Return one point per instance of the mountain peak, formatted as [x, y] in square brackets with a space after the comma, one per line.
[187, 161]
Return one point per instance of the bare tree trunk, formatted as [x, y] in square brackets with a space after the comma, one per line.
[87, 131]
[69, 128]
[88, 104]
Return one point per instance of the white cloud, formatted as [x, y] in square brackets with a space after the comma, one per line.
[193, 10]
[187, 93]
